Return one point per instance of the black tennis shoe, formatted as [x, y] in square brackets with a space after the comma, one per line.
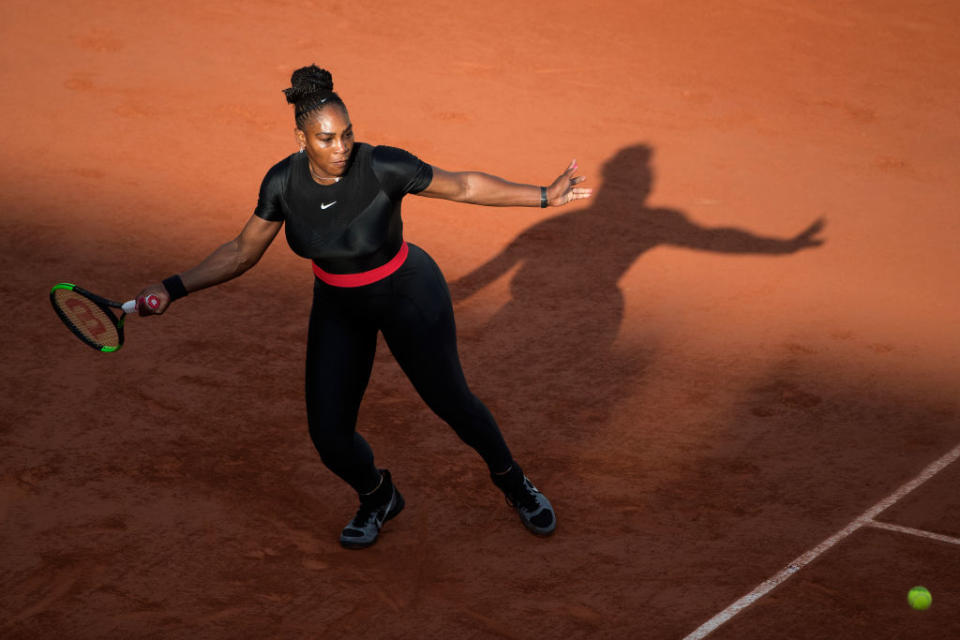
[535, 511]
[383, 504]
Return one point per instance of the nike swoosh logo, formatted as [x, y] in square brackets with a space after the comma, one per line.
[382, 517]
[324, 205]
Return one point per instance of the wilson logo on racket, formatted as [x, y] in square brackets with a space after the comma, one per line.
[82, 312]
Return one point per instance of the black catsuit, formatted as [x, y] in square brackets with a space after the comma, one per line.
[354, 227]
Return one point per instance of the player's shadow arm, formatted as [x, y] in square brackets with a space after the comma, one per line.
[623, 241]
[675, 229]
[468, 284]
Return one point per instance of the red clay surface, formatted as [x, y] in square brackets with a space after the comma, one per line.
[701, 402]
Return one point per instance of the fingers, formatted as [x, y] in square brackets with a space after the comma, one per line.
[564, 189]
[152, 301]
[812, 230]
[147, 304]
[568, 172]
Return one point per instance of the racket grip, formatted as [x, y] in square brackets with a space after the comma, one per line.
[129, 306]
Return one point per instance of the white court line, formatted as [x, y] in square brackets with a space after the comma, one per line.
[914, 532]
[866, 518]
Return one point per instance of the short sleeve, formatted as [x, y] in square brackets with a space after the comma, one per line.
[400, 172]
[270, 202]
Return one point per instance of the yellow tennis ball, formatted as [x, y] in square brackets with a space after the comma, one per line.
[919, 598]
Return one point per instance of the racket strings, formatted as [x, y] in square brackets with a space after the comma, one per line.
[91, 323]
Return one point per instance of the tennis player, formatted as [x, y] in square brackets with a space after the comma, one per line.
[340, 200]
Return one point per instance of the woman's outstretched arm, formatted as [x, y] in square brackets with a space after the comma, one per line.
[476, 187]
[225, 263]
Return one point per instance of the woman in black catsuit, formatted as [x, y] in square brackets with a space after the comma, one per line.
[340, 201]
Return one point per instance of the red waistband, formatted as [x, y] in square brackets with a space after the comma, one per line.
[364, 277]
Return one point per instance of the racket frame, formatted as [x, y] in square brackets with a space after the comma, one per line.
[102, 303]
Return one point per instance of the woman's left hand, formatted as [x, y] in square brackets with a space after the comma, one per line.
[564, 189]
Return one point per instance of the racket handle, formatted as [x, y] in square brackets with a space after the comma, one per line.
[151, 301]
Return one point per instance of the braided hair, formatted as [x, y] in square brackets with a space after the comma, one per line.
[311, 89]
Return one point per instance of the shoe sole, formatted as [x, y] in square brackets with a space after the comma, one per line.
[397, 508]
[540, 532]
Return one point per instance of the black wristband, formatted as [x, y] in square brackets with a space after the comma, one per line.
[543, 197]
[174, 286]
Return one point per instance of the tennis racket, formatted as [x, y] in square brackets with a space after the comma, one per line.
[91, 317]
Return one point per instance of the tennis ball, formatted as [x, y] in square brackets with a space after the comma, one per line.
[919, 598]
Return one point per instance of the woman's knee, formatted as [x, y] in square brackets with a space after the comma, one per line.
[328, 441]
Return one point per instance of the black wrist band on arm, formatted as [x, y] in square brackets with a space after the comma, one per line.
[174, 286]
[543, 197]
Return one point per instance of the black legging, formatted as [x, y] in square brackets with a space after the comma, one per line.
[413, 310]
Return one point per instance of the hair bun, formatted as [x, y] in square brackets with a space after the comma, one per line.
[308, 81]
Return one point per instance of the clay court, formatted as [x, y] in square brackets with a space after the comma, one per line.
[734, 370]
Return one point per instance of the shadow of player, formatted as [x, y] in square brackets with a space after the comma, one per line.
[547, 356]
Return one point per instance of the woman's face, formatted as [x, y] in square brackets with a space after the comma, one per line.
[327, 139]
